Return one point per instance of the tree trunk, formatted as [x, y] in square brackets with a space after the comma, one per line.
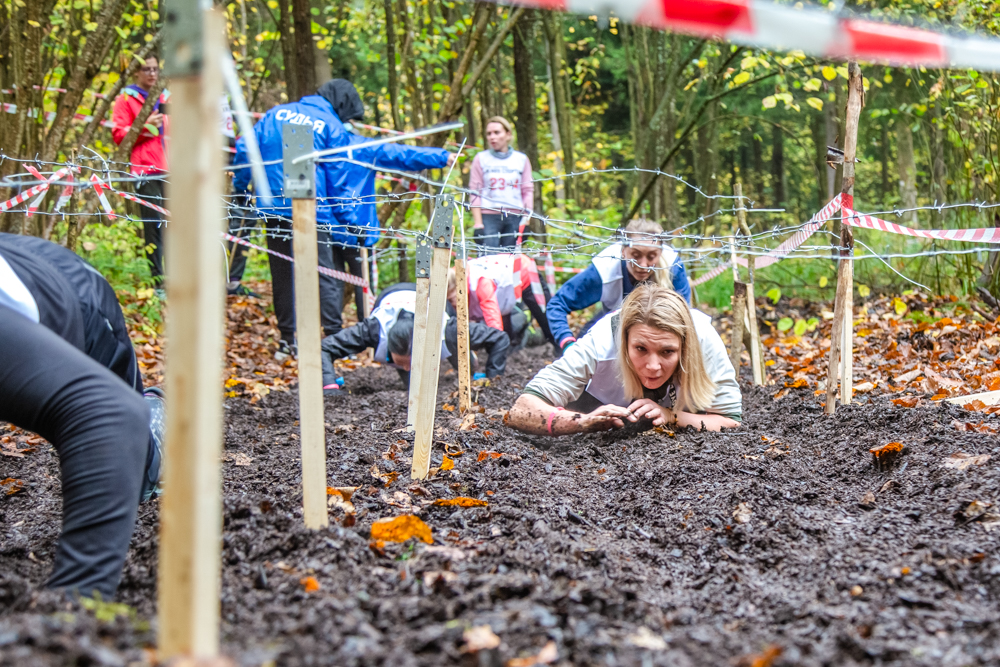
[552, 22]
[907, 168]
[305, 50]
[939, 172]
[560, 184]
[524, 84]
[778, 166]
[288, 51]
[884, 157]
[818, 127]
[390, 60]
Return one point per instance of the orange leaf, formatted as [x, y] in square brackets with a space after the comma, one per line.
[546, 656]
[887, 450]
[449, 407]
[940, 395]
[797, 384]
[460, 501]
[310, 584]
[488, 455]
[402, 528]
[11, 486]
[487, 433]
[389, 477]
[602, 471]
[906, 401]
[447, 464]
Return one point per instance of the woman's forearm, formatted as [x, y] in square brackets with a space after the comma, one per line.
[709, 421]
[477, 217]
[531, 414]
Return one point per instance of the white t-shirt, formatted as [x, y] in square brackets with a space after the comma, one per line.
[501, 190]
[14, 294]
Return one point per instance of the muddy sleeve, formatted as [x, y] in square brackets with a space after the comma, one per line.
[563, 381]
[351, 340]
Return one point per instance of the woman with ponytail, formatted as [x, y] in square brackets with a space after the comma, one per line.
[655, 360]
[614, 273]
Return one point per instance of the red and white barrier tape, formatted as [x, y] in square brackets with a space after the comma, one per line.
[978, 235]
[32, 191]
[339, 275]
[99, 188]
[786, 27]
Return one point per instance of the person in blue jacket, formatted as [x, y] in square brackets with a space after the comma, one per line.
[612, 275]
[356, 221]
[323, 113]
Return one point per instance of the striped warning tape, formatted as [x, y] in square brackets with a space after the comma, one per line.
[792, 27]
[978, 235]
[339, 275]
[32, 191]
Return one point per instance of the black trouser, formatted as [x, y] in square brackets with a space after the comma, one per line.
[100, 428]
[348, 260]
[279, 239]
[151, 189]
[538, 312]
[241, 224]
[500, 230]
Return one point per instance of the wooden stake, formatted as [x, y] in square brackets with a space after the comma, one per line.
[430, 359]
[462, 315]
[756, 362]
[842, 336]
[739, 311]
[191, 508]
[366, 276]
[309, 336]
[419, 327]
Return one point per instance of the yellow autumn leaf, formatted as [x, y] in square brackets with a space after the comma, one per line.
[769, 102]
[815, 103]
[823, 281]
[741, 78]
[461, 501]
[829, 73]
[864, 290]
[402, 528]
[812, 85]
[34, 24]
[446, 463]
[899, 306]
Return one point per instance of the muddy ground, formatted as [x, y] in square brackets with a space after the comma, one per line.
[643, 549]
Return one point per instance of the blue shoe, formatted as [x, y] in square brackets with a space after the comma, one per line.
[155, 398]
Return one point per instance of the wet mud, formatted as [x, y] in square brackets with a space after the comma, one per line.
[781, 542]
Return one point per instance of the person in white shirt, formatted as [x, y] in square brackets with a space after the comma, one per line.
[654, 360]
[504, 191]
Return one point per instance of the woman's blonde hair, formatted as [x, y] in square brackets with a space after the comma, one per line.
[666, 310]
[641, 231]
[503, 121]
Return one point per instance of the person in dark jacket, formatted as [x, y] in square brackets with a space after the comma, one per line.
[356, 223]
[390, 332]
[68, 372]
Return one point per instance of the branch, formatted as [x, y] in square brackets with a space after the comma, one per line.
[491, 51]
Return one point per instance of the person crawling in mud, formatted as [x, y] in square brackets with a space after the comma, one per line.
[655, 362]
[390, 331]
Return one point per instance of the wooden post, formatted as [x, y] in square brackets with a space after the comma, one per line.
[842, 336]
[462, 315]
[429, 358]
[739, 305]
[756, 362]
[300, 185]
[366, 276]
[191, 510]
[423, 270]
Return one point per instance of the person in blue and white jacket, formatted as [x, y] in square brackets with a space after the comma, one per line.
[613, 274]
[655, 361]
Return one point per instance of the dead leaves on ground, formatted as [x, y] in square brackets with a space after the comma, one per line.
[10, 486]
[460, 501]
[401, 529]
[961, 460]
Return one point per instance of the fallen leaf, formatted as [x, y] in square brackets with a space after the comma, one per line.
[886, 455]
[488, 455]
[864, 387]
[764, 659]
[961, 460]
[907, 377]
[401, 529]
[797, 384]
[546, 656]
[310, 584]
[468, 422]
[867, 501]
[742, 513]
[645, 638]
[449, 407]
[10, 486]
[460, 501]
[446, 463]
[239, 458]
[340, 498]
[479, 638]
[602, 471]
[341, 429]
[434, 576]
[906, 401]
[774, 452]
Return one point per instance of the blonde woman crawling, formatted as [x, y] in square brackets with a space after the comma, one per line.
[655, 359]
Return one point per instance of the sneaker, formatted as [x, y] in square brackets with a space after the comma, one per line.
[160, 293]
[285, 351]
[242, 290]
[155, 398]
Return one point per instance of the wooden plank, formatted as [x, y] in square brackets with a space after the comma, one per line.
[419, 336]
[364, 309]
[309, 336]
[842, 336]
[430, 362]
[987, 397]
[739, 312]
[191, 508]
[462, 315]
[756, 356]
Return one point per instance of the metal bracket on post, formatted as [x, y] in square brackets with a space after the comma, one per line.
[300, 177]
[442, 221]
[182, 37]
[423, 257]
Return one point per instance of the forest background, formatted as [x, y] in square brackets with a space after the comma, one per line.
[590, 96]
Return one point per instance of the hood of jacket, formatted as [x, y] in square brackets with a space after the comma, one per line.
[344, 97]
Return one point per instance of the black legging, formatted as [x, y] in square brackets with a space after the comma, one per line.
[100, 428]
